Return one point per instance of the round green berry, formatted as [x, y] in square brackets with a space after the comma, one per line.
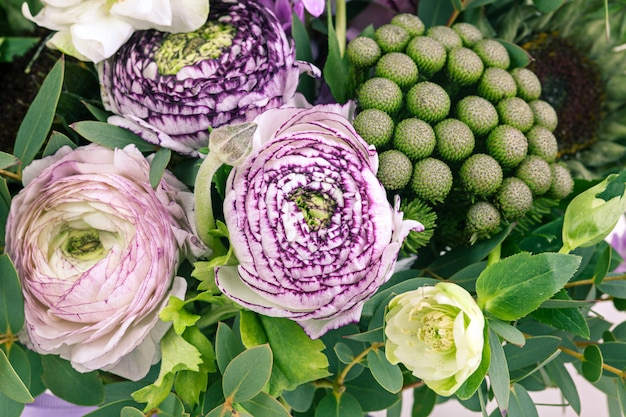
[544, 113]
[428, 101]
[380, 93]
[493, 53]
[391, 38]
[483, 219]
[542, 142]
[507, 145]
[528, 84]
[469, 33]
[478, 113]
[481, 175]
[536, 173]
[415, 138]
[496, 84]
[464, 66]
[363, 52]
[399, 68]
[394, 169]
[562, 181]
[431, 180]
[409, 22]
[516, 112]
[514, 198]
[455, 140]
[446, 36]
[428, 54]
[375, 127]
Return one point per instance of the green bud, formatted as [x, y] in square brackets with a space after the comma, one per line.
[528, 84]
[542, 142]
[394, 170]
[496, 84]
[446, 36]
[516, 112]
[363, 52]
[562, 182]
[507, 145]
[483, 219]
[415, 138]
[375, 127]
[481, 175]
[380, 93]
[536, 173]
[428, 54]
[493, 53]
[455, 140]
[469, 33]
[514, 198]
[464, 66]
[431, 180]
[428, 101]
[478, 113]
[399, 68]
[409, 22]
[544, 113]
[391, 38]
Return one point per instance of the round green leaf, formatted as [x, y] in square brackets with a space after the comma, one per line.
[69, 384]
[131, 412]
[592, 363]
[263, 405]
[246, 375]
[344, 405]
[388, 376]
[11, 299]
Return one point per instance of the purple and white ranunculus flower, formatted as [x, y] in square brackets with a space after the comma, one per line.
[93, 30]
[97, 250]
[309, 222]
[284, 9]
[170, 89]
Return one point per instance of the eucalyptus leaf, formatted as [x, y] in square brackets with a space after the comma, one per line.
[227, 346]
[7, 160]
[592, 363]
[301, 398]
[69, 384]
[621, 394]
[158, 164]
[424, 401]
[263, 405]
[535, 350]
[371, 396]
[499, 372]
[36, 124]
[616, 288]
[388, 376]
[603, 265]
[246, 375]
[11, 299]
[521, 405]
[57, 141]
[11, 384]
[129, 411]
[563, 380]
[613, 354]
[111, 136]
[113, 409]
[343, 405]
[508, 332]
[344, 353]
[515, 286]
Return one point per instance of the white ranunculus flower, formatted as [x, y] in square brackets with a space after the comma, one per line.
[93, 30]
[437, 333]
[97, 251]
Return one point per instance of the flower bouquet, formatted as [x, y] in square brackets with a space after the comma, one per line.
[306, 208]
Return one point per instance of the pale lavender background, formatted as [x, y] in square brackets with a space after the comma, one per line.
[47, 405]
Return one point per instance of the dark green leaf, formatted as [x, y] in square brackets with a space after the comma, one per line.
[615, 288]
[563, 380]
[371, 336]
[227, 346]
[613, 354]
[112, 409]
[344, 353]
[615, 187]
[603, 265]
[33, 131]
[344, 405]
[547, 6]
[435, 12]
[11, 299]
[515, 286]
[5, 205]
[301, 398]
[570, 319]
[458, 5]
[11, 384]
[12, 47]
[303, 53]
[172, 407]
[592, 363]
[57, 141]
[264, 405]
[246, 375]
[69, 384]
[521, 405]
[534, 351]
[388, 376]
[507, 332]
[424, 400]
[157, 166]
[621, 394]
[473, 4]
[336, 68]
[499, 372]
[371, 395]
[111, 136]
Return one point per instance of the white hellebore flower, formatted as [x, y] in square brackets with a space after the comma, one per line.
[437, 333]
[93, 30]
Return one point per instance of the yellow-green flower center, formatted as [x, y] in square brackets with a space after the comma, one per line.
[82, 244]
[179, 50]
[317, 208]
[434, 325]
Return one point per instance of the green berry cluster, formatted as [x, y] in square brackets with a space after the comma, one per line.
[457, 126]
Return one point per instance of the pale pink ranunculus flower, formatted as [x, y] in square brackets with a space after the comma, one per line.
[308, 220]
[97, 249]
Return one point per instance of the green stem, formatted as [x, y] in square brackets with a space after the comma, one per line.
[581, 358]
[205, 221]
[341, 24]
[357, 359]
[494, 255]
[591, 281]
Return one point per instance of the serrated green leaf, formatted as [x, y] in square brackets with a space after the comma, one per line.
[227, 346]
[570, 319]
[343, 405]
[263, 405]
[69, 384]
[11, 384]
[11, 299]
[35, 126]
[388, 376]
[515, 286]
[175, 312]
[499, 372]
[111, 136]
[520, 404]
[189, 384]
[592, 363]
[246, 375]
[157, 166]
[507, 332]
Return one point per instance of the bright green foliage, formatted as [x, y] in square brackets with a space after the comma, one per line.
[394, 169]
[464, 66]
[391, 38]
[542, 142]
[409, 22]
[536, 173]
[562, 181]
[528, 84]
[399, 68]
[428, 53]
[481, 175]
[428, 101]
[432, 180]
[363, 52]
[469, 33]
[544, 113]
[492, 53]
[380, 93]
[455, 140]
[415, 138]
[507, 145]
[446, 36]
[496, 84]
[483, 219]
[478, 113]
[514, 198]
[375, 126]
[516, 112]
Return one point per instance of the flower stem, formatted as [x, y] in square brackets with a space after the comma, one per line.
[494, 255]
[580, 356]
[9, 174]
[205, 221]
[357, 359]
[591, 281]
[341, 24]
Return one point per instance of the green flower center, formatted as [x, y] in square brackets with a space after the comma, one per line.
[317, 208]
[179, 50]
[572, 84]
[83, 245]
[435, 326]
